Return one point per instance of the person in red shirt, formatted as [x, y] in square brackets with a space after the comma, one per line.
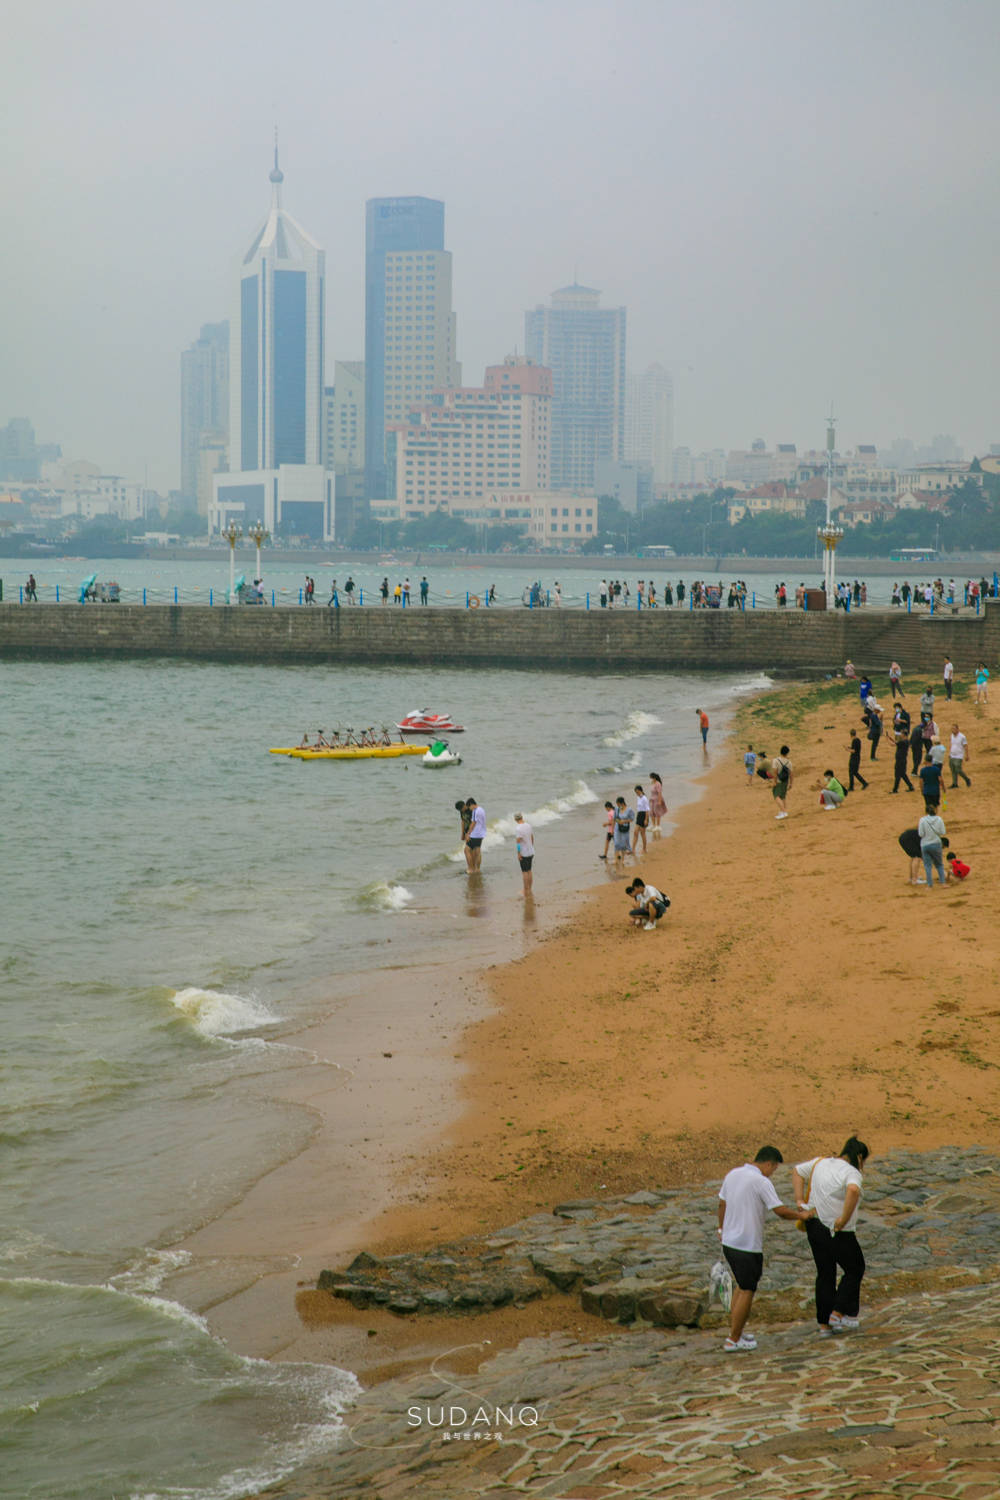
[703, 724]
[957, 869]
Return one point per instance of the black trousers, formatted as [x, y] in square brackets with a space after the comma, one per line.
[901, 758]
[854, 772]
[831, 1251]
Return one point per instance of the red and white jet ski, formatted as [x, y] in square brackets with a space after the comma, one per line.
[420, 721]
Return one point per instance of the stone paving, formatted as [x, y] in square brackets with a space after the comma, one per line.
[907, 1406]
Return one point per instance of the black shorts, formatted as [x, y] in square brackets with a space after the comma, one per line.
[474, 843]
[747, 1267]
[525, 861]
[640, 820]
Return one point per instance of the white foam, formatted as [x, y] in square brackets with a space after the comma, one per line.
[389, 897]
[637, 723]
[149, 1272]
[215, 1013]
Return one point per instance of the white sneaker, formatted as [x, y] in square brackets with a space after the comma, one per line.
[780, 815]
[649, 927]
[841, 1320]
[740, 1345]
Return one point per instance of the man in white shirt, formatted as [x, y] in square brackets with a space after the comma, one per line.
[476, 834]
[949, 676]
[746, 1197]
[958, 755]
[650, 904]
[525, 850]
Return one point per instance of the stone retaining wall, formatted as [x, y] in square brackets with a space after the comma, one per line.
[772, 640]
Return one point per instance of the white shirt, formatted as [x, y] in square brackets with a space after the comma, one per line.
[525, 839]
[749, 1196]
[642, 804]
[650, 893]
[949, 670]
[958, 744]
[829, 1177]
[477, 828]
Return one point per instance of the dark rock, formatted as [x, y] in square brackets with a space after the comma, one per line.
[669, 1308]
[363, 1262]
[404, 1305]
[575, 1205]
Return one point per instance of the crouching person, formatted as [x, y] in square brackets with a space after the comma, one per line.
[648, 904]
[832, 794]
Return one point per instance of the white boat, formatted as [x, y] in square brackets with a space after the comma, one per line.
[422, 721]
[439, 755]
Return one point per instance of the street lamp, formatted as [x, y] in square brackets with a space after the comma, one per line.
[258, 534]
[829, 534]
[232, 534]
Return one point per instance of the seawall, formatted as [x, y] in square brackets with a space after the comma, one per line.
[772, 640]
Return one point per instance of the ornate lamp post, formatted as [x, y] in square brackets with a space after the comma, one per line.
[258, 534]
[829, 534]
[232, 534]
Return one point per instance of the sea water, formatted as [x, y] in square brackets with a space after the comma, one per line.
[177, 904]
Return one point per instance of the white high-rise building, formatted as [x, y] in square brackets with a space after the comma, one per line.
[276, 384]
[344, 418]
[276, 353]
[649, 423]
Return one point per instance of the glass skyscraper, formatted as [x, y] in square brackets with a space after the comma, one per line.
[583, 345]
[276, 368]
[409, 324]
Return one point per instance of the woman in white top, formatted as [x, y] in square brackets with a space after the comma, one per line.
[833, 1186]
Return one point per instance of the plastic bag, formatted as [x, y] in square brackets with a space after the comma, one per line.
[720, 1284]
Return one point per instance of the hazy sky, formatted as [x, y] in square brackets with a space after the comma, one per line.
[796, 202]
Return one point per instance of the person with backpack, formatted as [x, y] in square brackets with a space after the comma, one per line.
[781, 768]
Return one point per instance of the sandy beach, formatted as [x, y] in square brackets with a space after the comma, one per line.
[800, 988]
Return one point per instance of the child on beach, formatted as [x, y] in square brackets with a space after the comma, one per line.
[750, 763]
[609, 827]
[957, 868]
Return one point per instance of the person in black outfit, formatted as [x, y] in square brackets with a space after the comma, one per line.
[874, 728]
[917, 745]
[901, 732]
[854, 764]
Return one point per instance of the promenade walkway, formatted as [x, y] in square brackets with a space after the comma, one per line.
[908, 1406]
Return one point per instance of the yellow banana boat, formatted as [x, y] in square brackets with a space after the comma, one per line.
[352, 752]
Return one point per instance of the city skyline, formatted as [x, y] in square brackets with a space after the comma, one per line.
[790, 210]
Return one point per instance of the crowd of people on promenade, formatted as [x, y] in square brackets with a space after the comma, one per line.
[827, 1191]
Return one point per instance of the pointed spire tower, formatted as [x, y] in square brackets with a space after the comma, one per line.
[276, 388]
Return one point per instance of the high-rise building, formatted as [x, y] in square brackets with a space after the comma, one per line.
[649, 423]
[410, 332]
[204, 401]
[344, 418]
[276, 386]
[583, 345]
[277, 345]
[465, 444]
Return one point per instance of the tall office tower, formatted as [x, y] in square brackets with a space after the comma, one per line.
[649, 422]
[410, 333]
[276, 405]
[204, 401]
[583, 345]
[276, 391]
[344, 418]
